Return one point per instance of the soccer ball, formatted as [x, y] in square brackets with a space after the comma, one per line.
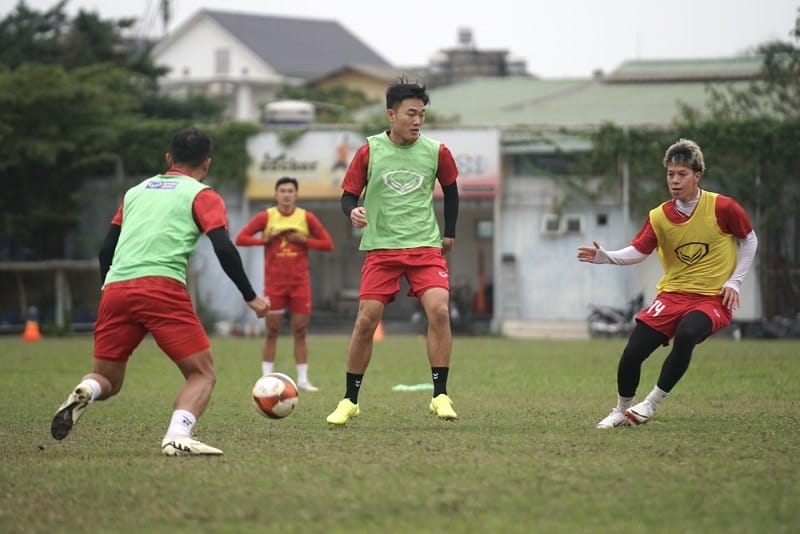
[275, 395]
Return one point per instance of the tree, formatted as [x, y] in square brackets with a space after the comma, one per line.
[53, 38]
[79, 102]
[775, 94]
[57, 128]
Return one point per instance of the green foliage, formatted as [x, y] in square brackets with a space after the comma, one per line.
[52, 37]
[143, 143]
[57, 128]
[30, 36]
[642, 150]
[196, 108]
[775, 94]
[230, 158]
[77, 101]
[524, 456]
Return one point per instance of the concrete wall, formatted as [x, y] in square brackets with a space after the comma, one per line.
[550, 284]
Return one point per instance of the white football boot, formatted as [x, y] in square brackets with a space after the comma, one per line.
[186, 446]
[68, 413]
[307, 386]
[640, 413]
[615, 419]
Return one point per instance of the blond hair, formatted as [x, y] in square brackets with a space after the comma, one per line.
[687, 153]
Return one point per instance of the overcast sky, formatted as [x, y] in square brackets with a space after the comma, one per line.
[560, 38]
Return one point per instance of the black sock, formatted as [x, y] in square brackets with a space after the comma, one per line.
[439, 375]
[353, 385]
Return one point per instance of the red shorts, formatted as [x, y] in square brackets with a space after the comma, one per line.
[667, 310]
[296, 298]
[161, 306]
[424, 268]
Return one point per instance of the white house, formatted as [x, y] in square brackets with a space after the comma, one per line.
[245, 57]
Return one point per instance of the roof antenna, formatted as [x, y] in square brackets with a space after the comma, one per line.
[165, 14]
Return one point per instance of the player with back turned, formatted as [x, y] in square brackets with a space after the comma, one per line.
[143, 264]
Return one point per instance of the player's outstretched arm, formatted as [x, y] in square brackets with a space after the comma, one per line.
[231, 262]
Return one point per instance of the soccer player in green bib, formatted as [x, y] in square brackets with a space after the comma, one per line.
[396, 171]
[143, 263]
[696, 234]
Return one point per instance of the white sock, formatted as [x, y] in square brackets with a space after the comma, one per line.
[181, 423]
[656, 396]
[94, 384]
[623, 403]
[302, 372]
[267, 367]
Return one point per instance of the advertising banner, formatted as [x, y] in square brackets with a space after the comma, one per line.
[319, 160]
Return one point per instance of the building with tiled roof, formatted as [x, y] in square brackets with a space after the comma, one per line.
[245, 57]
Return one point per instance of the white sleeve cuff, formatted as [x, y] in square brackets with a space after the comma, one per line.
[626, 256]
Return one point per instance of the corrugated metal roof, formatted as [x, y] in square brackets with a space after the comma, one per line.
[581, 103]
[730, 68]
[305, 48]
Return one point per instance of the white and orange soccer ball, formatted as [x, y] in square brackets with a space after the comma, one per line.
[275, 395]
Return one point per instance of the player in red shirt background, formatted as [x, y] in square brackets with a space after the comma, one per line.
[287, 232]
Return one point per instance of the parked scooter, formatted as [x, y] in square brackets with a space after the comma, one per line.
[606, 321]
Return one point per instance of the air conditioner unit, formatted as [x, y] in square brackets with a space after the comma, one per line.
[572, 223]
[551, 225]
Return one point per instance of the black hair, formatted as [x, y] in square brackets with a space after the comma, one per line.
[287, 180]
[403, 89]
[190, 146]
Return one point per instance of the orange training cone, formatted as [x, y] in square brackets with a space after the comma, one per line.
[31, 332]
[378, 335]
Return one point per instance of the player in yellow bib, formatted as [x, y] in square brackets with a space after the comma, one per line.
[287, 232]
[696, 234]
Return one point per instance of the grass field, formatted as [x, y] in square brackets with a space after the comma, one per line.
[722, 454]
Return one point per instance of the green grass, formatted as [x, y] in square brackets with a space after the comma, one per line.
[722, 454]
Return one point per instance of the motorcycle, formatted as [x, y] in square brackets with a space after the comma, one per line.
[607, 321]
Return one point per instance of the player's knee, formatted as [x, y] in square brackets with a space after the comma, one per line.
[439, 314]
[365, 326]
[299, 331]
[686, 337]
[633, 354]
[694, 328]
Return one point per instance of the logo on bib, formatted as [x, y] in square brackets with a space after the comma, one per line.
[691, 253]
[161, 184]
[403, 182]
